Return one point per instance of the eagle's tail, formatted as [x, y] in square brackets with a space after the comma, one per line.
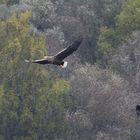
[27, 61]
[30, 61]
[65, 64]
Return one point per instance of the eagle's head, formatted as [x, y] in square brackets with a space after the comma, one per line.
[64, 64]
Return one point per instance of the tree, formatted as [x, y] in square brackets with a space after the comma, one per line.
[30, 106]
[101, 104]
[128, 20]
[108, 43]
[75, 18]
[110, 38]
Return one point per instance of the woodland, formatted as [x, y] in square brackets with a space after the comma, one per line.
[95, 97]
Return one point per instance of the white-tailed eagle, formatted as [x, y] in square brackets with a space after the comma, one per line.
[58, 58]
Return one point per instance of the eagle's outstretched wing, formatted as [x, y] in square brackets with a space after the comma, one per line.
[68, 51]
[39, 61]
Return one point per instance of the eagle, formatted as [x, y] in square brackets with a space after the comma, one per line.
[58, 59]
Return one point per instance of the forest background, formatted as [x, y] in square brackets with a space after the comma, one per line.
[95, 97]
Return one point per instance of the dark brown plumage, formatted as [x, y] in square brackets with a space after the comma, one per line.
[58, 58]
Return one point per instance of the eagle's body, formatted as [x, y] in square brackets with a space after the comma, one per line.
[58, 58]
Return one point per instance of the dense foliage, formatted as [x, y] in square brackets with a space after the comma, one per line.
[94, 98]
[127, 22]
[28, 99]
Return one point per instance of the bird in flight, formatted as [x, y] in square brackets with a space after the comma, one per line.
[58, 59]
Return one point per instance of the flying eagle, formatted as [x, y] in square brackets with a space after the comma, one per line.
[58, 58]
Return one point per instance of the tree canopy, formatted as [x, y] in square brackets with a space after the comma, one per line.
[127, 21]
[28, 99]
